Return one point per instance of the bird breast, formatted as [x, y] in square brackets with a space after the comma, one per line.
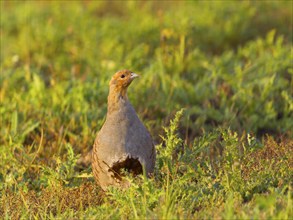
[123, 134]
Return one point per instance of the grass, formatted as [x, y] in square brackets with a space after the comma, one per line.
[227, 155]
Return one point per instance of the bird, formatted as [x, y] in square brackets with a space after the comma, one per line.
[123, 142]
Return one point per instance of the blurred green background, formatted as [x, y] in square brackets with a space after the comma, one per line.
[227, 63]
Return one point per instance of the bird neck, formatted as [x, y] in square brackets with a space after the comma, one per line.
[116, 97]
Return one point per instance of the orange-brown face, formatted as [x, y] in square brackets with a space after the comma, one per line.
[123, 78]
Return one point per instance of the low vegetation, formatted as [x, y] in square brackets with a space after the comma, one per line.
[215, 92]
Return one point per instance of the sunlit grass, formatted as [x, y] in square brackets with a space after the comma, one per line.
[228, 65]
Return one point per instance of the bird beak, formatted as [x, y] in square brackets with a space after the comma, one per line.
[134, 75]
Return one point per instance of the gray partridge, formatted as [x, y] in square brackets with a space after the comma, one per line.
[123, 141]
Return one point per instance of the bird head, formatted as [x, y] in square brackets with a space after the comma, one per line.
[122, 79]
[120, 82]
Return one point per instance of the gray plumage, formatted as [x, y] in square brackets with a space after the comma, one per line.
[123, 141]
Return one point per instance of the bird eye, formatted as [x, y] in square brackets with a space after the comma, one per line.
[122, 76]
